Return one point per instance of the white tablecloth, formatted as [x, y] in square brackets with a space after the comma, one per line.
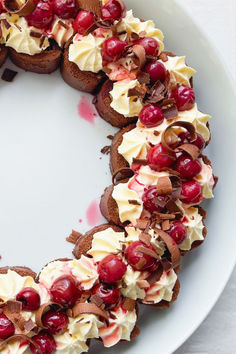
[217, 334]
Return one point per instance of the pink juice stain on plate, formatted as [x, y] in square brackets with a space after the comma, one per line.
[86, 109]
[93, 214]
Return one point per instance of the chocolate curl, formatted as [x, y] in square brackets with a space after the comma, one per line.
[22, 10]
[140, 53]
[164, 186]
[191, 150]
[122, 174]
[128, 304]
[171, 245]
[85, 307]
[156, 275]
[156, 93]
[164, 56]
[142, 162]
[12, 310]
[44, 309]
[188, 126]
[145, 238]
[91, 6]
[23, 338]
[147, 251]
[73, 237]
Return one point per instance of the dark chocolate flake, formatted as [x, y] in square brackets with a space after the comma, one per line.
[8, 75]
[106, 150]
[35, 34]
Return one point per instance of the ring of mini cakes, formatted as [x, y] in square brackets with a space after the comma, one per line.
[3, 54]
[143, 264]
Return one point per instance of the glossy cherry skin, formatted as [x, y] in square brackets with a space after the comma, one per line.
[156, 70]
[83, 21]
[110, 295]
[46, 343]
[190, 192]
[150, 45]
[111, 11]
[113, 49]
[55, 322]
[42, 15]
[159, 158]
[1, 8]
[185, 139]
[30, 299]
[151, 116]
[184, 97]
[134, 256]
[178, 232]
[187, 167]
[111, 269]
[65, 8]
[65, 291]
[149, 197]
[7, 328]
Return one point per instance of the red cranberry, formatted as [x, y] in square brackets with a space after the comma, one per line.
[83, 21]
[190, 192]
[150, 199]
[134, 256]
[112, 10]
[65, 8]
[158, 157]
[178, 232]
[112, 49]
[55, 322]
[150, 45]
[151, 116]
[156, 70]
[111, 269]
[185, 139]
[46, 343]
[187, 167]
[7, 328]
[65, 291]
[184, 97]
[30, 299]
[110, 295]
[42, 15]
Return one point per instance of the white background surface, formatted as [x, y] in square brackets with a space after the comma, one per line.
[217, 333]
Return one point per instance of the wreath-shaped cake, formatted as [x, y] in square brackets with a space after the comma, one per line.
[159, 176]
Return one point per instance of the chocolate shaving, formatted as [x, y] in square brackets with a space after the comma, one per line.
[20, 337]
[73, 237]
[91, 6]
[140, 54]
[122, 174]
[137, 91]
[164, 56]
[191, 150]
[141, 263]
[61, 23]
[165, 216]
[18, 27]
[145, 238]
[142, 162]
[156, 93]
[44, 309]
[188, 126]
[143, 78]
[128, 304]
[142, 224]
[173, 208]
[106, 24]
[156, 275]
[85, 307]
[35, 34]
[164, 186]
[165, 225]
[14, 306]
[29, 326]
[6, 24]
[111, 137]
[41, 41]
[106, 150]
[171, 245]
[96, 300]
[147, 251]
[12, 6]
[133, 202]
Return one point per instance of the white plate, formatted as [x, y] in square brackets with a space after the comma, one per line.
[51, 170]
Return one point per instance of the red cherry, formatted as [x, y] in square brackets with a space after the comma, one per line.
[30, 299]
[134, 256]
[184, 97]
[65, 291]
[111, 269]
[1, 8]
[187, 167]
[83, 21]
[112, 49]
[110, 295]
[7, 328]
[42, 15]
[55, 322]
[156, 70]
[185, 139]
[65, 8]
[190, 192]
[151, 200]
[150, 45]
[178, 232]
[151, 116]
[158, 157]
[111, 11]
[46, 343]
